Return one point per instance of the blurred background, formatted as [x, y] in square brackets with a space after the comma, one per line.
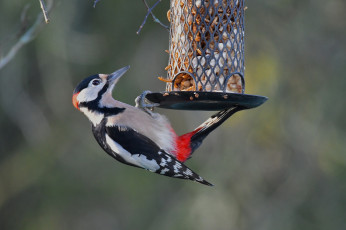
[279, 166]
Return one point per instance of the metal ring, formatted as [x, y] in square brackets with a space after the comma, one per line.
[183, 72]
[242, 81]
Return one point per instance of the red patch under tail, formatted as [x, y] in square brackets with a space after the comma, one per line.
[183, 147]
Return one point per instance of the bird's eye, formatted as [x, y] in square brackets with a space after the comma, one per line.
[95, 82]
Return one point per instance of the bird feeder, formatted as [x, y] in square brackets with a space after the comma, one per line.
[206, 57]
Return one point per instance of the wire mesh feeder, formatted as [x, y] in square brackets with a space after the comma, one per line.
[206, 57]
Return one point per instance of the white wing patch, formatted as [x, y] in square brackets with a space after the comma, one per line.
[188, 172]
[136, 159]
[122, 128]
[163, 162]
[177, 166]
[163, 171]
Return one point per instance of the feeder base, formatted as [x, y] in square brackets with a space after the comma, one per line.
[208, 101]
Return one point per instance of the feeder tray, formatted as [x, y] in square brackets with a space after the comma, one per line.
[206, 57]
[195, 100]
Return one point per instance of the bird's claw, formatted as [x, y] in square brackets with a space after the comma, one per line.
[143, 103]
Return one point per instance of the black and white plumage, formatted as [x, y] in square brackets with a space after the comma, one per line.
[132, 148]
[136, 136]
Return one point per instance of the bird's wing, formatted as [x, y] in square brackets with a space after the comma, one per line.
[140, 151]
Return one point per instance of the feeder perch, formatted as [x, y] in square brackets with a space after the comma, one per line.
[206, 57]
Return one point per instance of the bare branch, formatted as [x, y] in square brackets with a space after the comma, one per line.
[44, 10]
[154, 17]
[150, 11]
[25, 38]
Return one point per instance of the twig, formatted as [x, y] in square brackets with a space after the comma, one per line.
[150, 11]
[44, 10]
[95, 2]
[154, 17]
[25, 38]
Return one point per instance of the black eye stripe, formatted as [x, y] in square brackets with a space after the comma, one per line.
[93, 105]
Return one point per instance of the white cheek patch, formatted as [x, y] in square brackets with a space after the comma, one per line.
[87, 95]
[90, 93]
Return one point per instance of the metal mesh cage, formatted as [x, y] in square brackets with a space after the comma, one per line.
[206, 51]
[206, 57]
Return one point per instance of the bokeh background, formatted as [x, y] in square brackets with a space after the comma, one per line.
[279, 166]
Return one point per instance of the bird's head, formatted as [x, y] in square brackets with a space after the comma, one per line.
[90, 91]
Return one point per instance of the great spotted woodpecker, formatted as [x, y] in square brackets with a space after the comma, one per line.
[137, 136]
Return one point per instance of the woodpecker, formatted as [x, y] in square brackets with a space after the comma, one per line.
[136, 136]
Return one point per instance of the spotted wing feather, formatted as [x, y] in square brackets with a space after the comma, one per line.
[140, 151]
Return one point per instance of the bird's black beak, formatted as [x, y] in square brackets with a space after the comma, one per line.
[114, 77]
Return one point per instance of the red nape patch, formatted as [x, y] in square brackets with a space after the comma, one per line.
[74, 100]
[183, 146]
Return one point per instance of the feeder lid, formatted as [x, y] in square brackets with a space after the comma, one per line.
[208, 101]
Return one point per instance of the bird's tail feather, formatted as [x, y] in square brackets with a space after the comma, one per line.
[191, 141]
[211, 124]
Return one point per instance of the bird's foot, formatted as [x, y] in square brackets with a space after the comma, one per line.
[143, 103]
